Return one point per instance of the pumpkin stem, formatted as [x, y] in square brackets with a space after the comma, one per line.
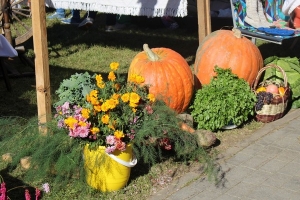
[150, 54]
[237, 33]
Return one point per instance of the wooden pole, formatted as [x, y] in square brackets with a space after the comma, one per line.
[204, 21]
[41, 62]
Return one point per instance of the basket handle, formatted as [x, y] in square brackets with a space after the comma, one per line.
[267, 67]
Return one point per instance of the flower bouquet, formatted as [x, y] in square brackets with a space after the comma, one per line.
[107, 113]
[106, 117]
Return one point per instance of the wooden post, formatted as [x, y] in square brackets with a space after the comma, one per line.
[204, 21]
[41, 61]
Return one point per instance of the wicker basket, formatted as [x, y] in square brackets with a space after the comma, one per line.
[276, 109]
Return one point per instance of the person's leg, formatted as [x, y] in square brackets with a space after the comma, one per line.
[122, 21]
[59, 14]
[74, 19]
[75, 14]
[88, 21]
[110, 22]
[110, 19]
[91, 14]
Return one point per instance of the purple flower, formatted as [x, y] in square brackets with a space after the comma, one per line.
[61, 123]
[110, 149]
[77, 109]
[58, 109]
[65, 108]
[134, 121]
[46, 187]
[110, 139]
[130, 136]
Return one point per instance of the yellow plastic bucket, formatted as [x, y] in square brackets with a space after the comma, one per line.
[108, 172]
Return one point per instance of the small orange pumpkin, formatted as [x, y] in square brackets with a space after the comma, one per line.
[167, 73]
[227, 49]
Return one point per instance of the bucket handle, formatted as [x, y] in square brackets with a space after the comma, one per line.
[132, 163]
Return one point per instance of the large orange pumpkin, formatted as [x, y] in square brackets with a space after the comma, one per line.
[227, 49]
[167, 73]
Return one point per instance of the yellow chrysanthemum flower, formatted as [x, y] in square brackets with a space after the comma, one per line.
[104, 107]
[125, 97]
[134, 97]
[114, 66]
[97, 108]
[111, 103]
[88, 98]
[112, 76]
[119, 134]
[115, 96]
[99, 78]
[101, 85]
[95, 130]
[132, 104]
[139, 79]
[134, 110]
[81, 123]
[92, 96]
[105, 119]
[85, 113]
[151, 97]
[112, 125]
[70, 122]
[117, 86]
[136, 78]
[132, 78]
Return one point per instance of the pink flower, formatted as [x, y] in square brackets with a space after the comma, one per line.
[46, 187]
[37, 194]
[131, 135]
[77, 109]
[61, 123]
[110, 139]
[110, 149]
[3, 192]
[27, 195]
[65, 108]
[58, 109]
[149, 109]
[79, 131]
[120, 145]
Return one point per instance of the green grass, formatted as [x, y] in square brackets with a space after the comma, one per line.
[73, 51]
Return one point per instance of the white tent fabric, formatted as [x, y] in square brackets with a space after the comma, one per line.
[6, 50]
[289, 6]
[150, 8]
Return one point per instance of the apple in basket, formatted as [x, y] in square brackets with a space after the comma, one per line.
[272, 88]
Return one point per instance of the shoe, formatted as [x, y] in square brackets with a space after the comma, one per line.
[71, 20]
[56, 16]
[86, 23]
[119, 26]
[109, 29]
[174, 26]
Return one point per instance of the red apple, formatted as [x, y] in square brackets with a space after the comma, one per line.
[272, 89]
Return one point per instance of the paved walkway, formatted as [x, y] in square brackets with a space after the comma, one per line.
[265, 166]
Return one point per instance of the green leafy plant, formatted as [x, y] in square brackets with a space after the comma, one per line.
[74, 89]
[226, 100]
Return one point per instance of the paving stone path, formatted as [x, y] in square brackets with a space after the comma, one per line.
[265, 166]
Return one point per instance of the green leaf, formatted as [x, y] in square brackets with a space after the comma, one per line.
[227, 98]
